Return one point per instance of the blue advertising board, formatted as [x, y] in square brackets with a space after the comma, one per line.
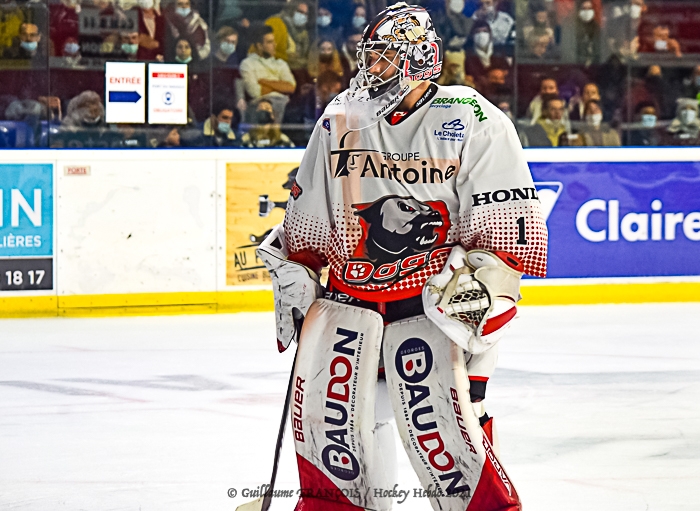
[26, 227]
[622, 219]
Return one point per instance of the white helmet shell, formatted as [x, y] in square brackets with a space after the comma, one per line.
[404, 36]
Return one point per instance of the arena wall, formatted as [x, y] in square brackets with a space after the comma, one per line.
[174, 231]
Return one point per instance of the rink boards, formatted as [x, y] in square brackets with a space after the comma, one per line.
[110, 232]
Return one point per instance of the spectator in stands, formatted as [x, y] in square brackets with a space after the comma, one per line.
[185, 22]
[63, 24]
[84, 111]
[359, 19]
[183, 52]
[452, 25]
[265, 132]
[504, 105]
[226, 44]
[291, 35]
[481, 58]
[685, 128]
[267, 77]
[171, 138]
[587, 34]
[655, 87]
[129, 46]
[502, 24]
[325, 26]
[218, 127]
[453, 72]
[646, 133]
[623, 40]
[324, 57]
[576, 104]
[595, 132]
[28, 46]
[29, 112]
[348, 57]
[305, 111]
[541, 46]
[548, 85]
[550, 128]
[659, 41]
[538, 24]
[71, 57]
[691, 85]
[151, 31]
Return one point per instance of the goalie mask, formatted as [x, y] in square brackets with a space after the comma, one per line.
[399, 46]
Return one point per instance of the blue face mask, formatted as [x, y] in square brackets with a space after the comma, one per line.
[648, 120]
[227, 48]
[29, 45]
[130, 49]
[224, 127]
[71, 48]
[358, 21]
[183, 11]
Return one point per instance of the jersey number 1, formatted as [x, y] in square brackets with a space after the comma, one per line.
[521, 231]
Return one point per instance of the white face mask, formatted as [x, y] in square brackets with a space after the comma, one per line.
[687, 116]
[594, 119]
[635, 11]
[324, 21]
[71, 48]
[660, 45]
[456, 6]
[300, 19]
[648, 120]
[183, 11]
[482, 39]
[586, 15]
[146, 4]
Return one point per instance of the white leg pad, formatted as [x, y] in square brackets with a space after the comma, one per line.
[429, 388]
[333, 412]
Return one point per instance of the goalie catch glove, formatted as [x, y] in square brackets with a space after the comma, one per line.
[473, 299]
[294, 285]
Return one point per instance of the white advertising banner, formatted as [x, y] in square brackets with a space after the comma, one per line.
[167, 90]
[125, 84]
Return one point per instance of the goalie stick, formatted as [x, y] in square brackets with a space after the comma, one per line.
[263, 503]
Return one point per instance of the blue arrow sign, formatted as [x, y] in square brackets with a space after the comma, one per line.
[124, 96]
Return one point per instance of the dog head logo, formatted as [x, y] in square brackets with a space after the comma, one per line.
[396, 227]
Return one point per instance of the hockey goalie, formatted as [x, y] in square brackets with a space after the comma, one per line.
[419, 199]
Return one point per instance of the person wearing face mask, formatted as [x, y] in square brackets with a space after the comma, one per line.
[226, 46]
[218, 129]
[324, 57]
[501, 23]
[183, 21]
[265, 132]
[28, 46]
[326, 27]
[481, 58]
[595, 133]
[359, 19]
[452, 25]
[292, 36]
[623, 29]
[267, 77]
[646, 133]
[128, 46]
[64, 23]
[151, 31]
[685, 127]
[587, 34]
[538, 24]
[183, 52]
[83, 125]
[659, 41]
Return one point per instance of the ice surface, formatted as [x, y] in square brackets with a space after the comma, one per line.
[598, 408]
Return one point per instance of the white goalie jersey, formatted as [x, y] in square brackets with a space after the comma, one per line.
[383, 206]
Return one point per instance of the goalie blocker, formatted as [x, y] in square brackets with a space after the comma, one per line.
[339, 415]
